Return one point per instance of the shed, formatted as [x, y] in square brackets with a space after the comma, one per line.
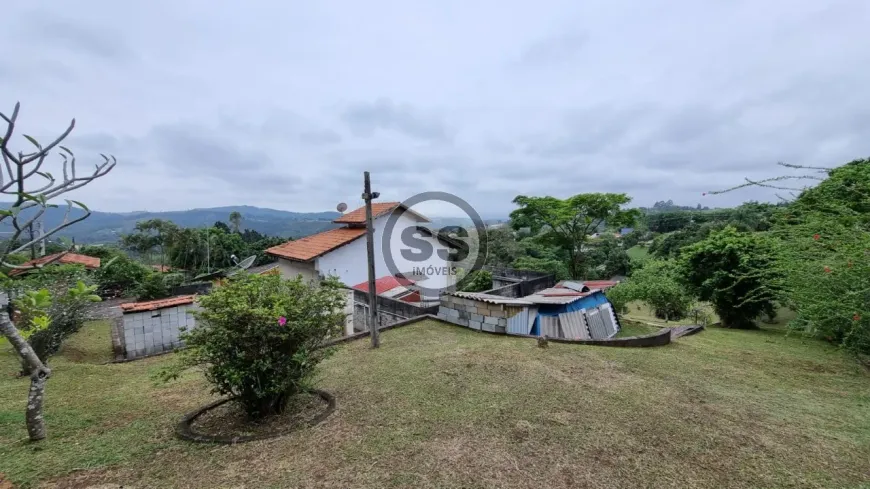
[564, 312]
[154, 326]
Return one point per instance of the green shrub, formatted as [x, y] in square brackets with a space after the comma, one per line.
[260, 338]
[479, 281]
[658, 284]
[120, 276]
[619, 297]
[57, 316]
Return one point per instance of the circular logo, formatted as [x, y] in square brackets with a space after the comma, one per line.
[436, 260]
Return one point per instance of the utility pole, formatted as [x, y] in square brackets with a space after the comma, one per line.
[32, 241]
[367, 196]
[40, 231]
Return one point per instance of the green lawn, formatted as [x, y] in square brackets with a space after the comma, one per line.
[442, 406]
[637, 252]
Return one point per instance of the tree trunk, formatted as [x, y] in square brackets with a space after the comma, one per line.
[39, 374]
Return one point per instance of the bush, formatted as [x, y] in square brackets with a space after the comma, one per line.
[120, 276]
[48, 319]
[658, 284]
[479, 281]
[260, 338]
[619, 297]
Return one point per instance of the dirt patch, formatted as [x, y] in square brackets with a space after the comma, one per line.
[229, 420]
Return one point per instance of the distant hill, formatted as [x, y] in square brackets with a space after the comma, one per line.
[105, 227]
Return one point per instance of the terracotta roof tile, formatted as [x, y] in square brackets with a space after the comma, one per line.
[158, 304]
[310, 247]
[67, 259]
[384, 284]
[358, 216]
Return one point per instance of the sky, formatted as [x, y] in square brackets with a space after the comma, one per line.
[284, 104]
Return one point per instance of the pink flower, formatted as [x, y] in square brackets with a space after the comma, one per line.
[827, 269]
[282, 321]
[856, 318]
[816, 237]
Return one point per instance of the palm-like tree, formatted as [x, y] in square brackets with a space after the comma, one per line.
[236, 220]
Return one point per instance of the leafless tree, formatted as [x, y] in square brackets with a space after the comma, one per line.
[33, 188]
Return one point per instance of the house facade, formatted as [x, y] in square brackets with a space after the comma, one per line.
[341, 252]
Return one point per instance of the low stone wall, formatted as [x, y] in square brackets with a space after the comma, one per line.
[200, 288]
[659, 338]
[509, 282]
[477, 315]
[390, 311]
[512, 289]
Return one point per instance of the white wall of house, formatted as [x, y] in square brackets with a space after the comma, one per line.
[289, 269]
[348, 262]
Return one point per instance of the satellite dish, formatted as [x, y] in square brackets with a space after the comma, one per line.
[341, 207]
[242, 265]
[229, 272]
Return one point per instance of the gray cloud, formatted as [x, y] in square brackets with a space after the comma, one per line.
[552, 50]
[103, 42]
[196, 152]
[663, 99]
[365, 119]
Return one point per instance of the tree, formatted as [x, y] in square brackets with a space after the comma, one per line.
[33, 189]
[502, 247]
[150, 234]
[607, 258]
[822, 235]
[736, 272]
[567, 223]
[236, 221]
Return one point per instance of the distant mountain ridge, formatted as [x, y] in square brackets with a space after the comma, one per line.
[106, 227]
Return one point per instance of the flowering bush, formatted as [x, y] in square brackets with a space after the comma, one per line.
[260, 338]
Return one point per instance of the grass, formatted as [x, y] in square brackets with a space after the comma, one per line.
[633, 328]
[442, 406]
[637, 252]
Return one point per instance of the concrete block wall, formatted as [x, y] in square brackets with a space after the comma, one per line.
[390, 311]
[151, 332]
[477, 315]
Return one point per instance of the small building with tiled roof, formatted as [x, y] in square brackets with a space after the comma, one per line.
[341, 252]
[153, 327]
[66, 258]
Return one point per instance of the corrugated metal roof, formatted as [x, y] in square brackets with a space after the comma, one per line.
[492, 299]
[577, 286]
[557, 295]
[574, 325]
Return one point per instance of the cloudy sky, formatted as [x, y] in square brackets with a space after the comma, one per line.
[283, 104]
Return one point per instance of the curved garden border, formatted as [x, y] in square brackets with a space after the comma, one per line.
[185, 431]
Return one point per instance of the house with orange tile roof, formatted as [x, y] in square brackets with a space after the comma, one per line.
[341, 252]
[62, 258]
